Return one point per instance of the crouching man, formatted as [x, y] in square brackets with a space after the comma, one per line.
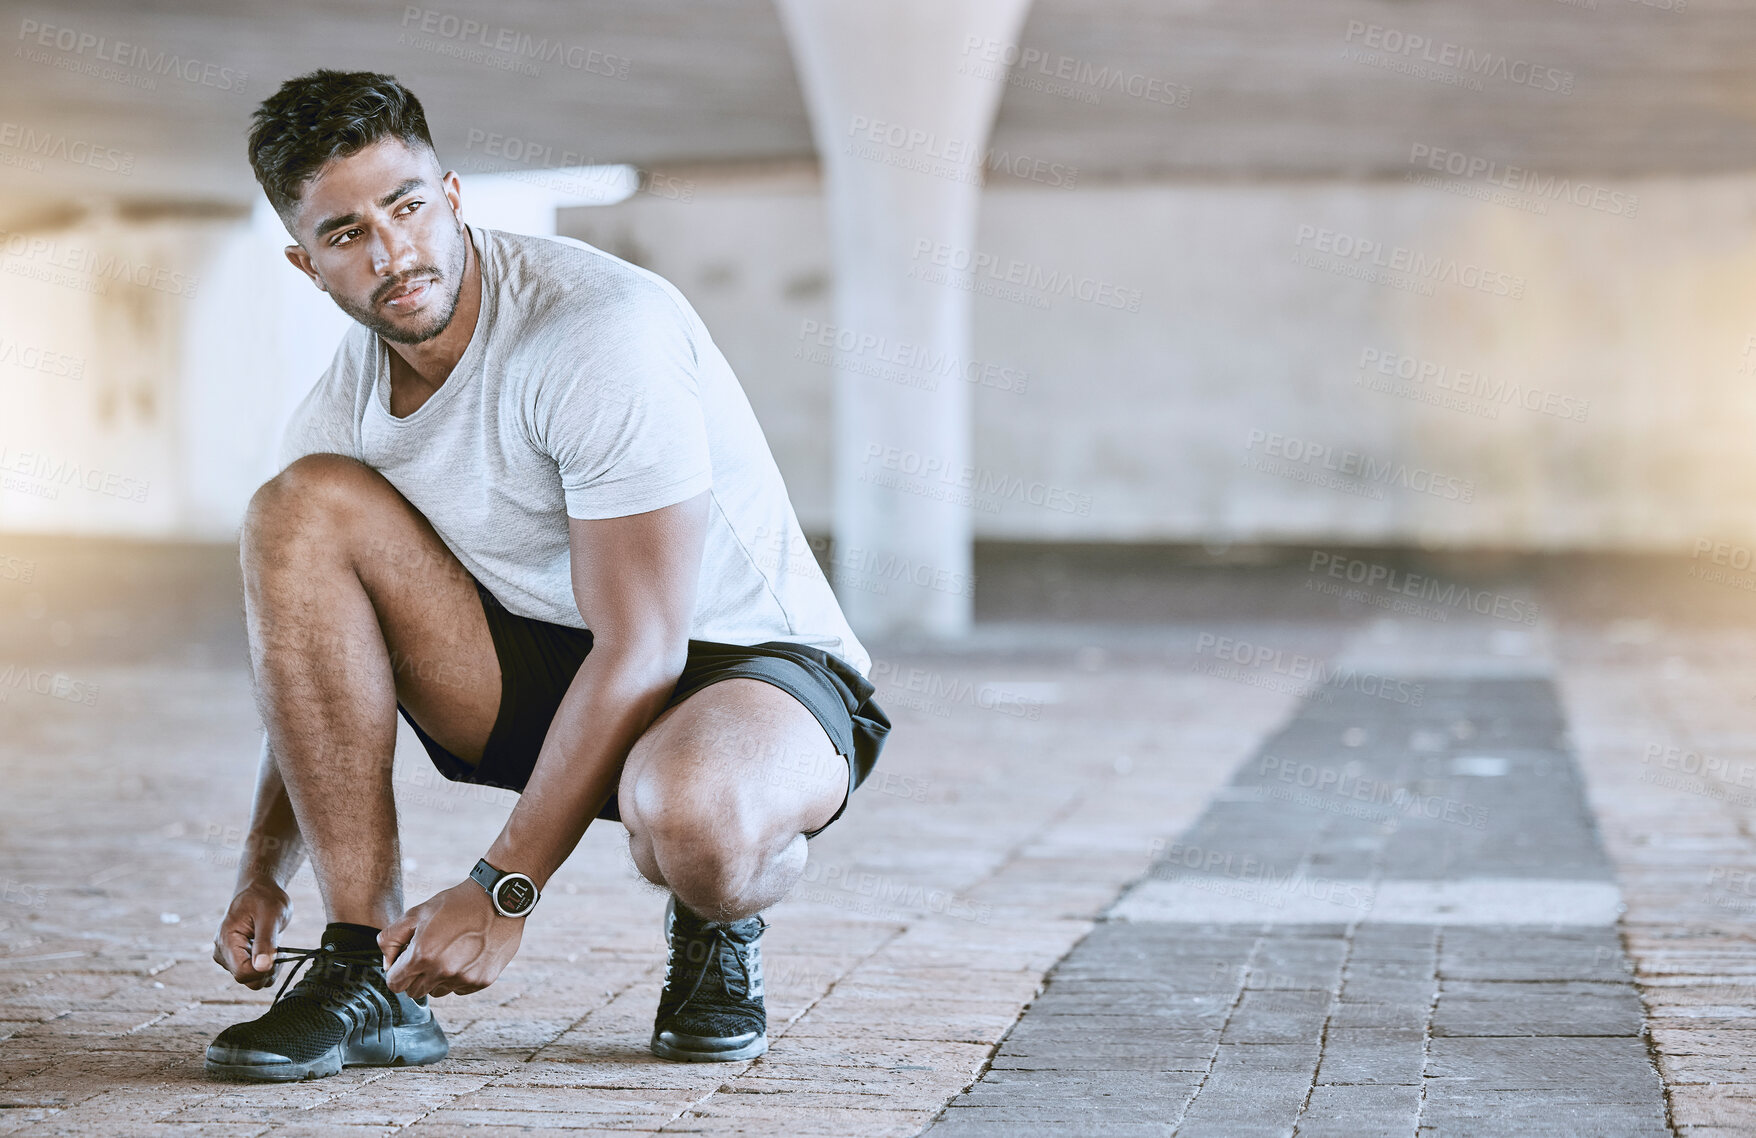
[529, 508]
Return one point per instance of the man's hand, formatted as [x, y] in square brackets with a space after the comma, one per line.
[454, 942]
[249, 932]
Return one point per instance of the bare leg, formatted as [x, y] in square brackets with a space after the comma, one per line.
[719, 792]
[351, 603]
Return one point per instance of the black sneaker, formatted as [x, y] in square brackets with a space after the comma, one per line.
[711, 1010]
[342, 1014]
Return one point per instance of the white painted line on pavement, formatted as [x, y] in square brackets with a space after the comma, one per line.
[1320, 900]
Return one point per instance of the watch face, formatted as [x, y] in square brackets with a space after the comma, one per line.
[516, 893]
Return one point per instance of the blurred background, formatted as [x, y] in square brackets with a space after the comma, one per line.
[1426, 275]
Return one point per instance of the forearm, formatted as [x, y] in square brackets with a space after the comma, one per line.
[614, 697]
[273, 849]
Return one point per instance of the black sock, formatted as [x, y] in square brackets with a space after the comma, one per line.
[344, 937]
[686, 912]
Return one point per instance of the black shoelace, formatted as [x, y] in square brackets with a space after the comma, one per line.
[718, 940]
[325, 963]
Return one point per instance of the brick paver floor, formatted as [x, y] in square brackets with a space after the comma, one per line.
[1005, 933]
[1396, 919]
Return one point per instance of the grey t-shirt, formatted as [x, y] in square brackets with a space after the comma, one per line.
[590, 389]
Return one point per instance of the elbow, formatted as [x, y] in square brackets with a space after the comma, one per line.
[649, 661]
[669, 659]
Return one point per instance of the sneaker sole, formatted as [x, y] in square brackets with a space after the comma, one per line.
[319, 1068]
[683, 1055]
[415, 1045]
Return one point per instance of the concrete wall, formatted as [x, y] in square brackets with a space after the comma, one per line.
[1581, 357]
[146, 367]
[1629, 336]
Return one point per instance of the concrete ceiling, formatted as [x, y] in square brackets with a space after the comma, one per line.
[1270, 91]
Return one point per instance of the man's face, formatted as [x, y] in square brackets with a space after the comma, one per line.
[380, 232]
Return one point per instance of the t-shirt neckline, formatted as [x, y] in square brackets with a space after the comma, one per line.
[465, 369]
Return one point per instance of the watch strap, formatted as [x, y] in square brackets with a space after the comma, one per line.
[490, 879]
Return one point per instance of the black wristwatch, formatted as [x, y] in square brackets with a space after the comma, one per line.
[513, 894]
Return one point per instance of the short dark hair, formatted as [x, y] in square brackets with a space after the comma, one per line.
[325, 115]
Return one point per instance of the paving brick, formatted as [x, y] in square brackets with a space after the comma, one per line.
[1731, 1105]
[1501, 954]
[1545, 1008]
[1619, 1066]
[1390, 1111]
[980, 1122]
[1277, 1017]
[1372, 1056]
[1468, 1109]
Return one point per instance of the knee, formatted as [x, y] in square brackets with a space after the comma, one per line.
[314, 496]
[708, 846]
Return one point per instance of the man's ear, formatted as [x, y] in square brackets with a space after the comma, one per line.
[453, 193]
[301, 261]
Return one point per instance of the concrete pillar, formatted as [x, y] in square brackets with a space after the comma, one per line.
[901, 108]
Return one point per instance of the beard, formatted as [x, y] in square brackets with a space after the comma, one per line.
[447, 286]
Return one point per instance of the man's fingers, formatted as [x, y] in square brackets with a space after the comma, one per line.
[393, 940]
[452, 986]
[402, 961]
[237, 944]
[415, 979]
[265, 948]
[415, 985]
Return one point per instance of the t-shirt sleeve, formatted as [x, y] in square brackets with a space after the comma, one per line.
[618, 409]
[326, 421]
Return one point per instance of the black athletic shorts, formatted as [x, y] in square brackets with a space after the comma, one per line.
[538, 659]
